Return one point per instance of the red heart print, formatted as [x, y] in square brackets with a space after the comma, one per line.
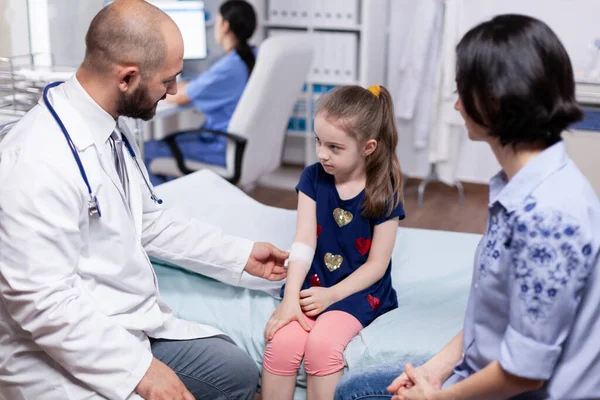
[315, 281]
[363, 245]
[319, 230]
[374, 302]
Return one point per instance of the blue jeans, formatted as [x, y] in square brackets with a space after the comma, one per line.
[210, 368]
[369, 383]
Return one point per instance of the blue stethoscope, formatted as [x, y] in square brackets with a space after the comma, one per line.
[93, 206]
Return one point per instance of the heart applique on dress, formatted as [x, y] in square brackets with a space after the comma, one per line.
[374, 302]
[342, 218]
[333, 262]
[315, 281]
[362, 245]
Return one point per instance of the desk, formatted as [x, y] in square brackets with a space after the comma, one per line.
[588, 92]
[169, 118]
[165, 109]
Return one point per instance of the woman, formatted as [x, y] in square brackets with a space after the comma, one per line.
[215, 92]
[531, 325]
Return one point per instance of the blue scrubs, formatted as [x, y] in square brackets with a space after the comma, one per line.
[215, 93]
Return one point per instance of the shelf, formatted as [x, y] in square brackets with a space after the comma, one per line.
[334, 83]
[348, 28]
[343, 28]
[297, 134]
[284, 26]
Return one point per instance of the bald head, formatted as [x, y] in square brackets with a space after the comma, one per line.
[129, 32]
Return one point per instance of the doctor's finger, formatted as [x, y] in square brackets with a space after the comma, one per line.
[277, 276]
[280, 254]
[279, 269]
[188, 396]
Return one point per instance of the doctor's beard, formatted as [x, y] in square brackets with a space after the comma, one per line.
[138, 104]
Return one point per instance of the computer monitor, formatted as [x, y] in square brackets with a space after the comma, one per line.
[190, 18]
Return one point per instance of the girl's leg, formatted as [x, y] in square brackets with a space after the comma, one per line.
[282, 359]
[324, 356]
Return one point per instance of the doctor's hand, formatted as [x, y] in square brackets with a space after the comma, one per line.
[266, 261]
[161, 383]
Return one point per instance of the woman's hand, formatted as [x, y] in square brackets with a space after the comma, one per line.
[286, 312]
[415, 383]
[316, 300]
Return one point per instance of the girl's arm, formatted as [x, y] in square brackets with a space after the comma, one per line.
[382, 245]
[306, 233]
[181, 98]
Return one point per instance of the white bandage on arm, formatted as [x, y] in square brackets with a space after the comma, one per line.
[302, 253]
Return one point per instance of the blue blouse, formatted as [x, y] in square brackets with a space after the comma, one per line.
[534, 304]
[343, 243]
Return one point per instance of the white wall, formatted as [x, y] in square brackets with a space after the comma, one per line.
[576, 22]
[14, 35]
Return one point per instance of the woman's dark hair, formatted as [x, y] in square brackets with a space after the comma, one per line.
[515, 77]
[242, 22]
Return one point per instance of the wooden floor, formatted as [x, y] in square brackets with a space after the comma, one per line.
[440, 209]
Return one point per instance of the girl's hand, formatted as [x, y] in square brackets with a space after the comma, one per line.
[414, 384]
[286, 312]
[316, 300]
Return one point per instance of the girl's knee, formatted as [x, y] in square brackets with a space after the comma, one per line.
[324, 355]
[284, 353]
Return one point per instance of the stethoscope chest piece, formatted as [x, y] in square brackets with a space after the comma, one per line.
[94, 207]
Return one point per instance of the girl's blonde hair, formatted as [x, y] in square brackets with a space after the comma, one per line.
[365, 115]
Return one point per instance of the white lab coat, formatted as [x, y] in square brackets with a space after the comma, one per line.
[79, 295]
[413, 56]
[449, 133]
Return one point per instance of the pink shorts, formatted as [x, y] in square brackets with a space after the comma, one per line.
[322, 347]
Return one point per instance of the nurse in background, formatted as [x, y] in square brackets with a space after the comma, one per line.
[216, 91]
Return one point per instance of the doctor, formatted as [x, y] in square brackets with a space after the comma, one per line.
[80, 312]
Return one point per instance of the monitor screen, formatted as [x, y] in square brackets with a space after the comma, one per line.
[189, 17]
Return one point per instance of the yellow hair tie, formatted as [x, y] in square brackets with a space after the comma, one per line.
[375, 89]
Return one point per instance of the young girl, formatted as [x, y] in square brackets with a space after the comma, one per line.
[339, 274]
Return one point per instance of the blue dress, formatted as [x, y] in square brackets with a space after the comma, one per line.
[343, 243]
[216, 93]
